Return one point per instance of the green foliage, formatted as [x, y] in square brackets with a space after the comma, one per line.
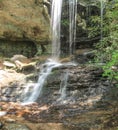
[94, 27]
[107, 48]
[1, 0]
[65, 22]
[110, 68]
[65, 25]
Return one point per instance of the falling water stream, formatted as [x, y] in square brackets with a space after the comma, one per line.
[37, 88]
[72, 24]
[52, 63]
[56, 27]
[33, 94]
[63, 86]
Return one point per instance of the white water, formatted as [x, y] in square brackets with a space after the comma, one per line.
[33, 91]
[63, 86]
[72, 24]
[56, 27]
[3, 113]
[48, 66]
[37, 88]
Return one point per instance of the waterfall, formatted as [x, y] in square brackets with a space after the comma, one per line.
[48, 66]
[56, 27]
[63, 86]
[33, 91]
[37, 88]
[72, 24]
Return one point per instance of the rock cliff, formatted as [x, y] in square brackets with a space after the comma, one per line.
[23, 22]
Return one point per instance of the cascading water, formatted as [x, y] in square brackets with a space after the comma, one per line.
[72, 38]
[36, 89]
[63, 86]
[55, 27]
[72, 24]
[48, 66]
[45, 71]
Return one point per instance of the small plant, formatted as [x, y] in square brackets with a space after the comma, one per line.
[111, 67]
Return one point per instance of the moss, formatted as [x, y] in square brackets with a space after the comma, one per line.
[9, 49]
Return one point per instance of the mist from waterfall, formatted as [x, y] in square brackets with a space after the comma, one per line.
[72, 25]
[56, 27]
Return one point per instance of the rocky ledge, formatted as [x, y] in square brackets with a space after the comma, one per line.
[89, 101]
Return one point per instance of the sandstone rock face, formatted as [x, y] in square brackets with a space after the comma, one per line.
[23, 22]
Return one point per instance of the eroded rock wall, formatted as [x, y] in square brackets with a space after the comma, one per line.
[23, 21]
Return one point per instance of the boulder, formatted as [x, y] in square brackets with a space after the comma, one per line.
[22, 25]
[23, 20]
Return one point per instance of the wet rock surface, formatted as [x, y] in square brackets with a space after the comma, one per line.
[1, 125]
[90, 102]
[84, 82]
[62, 117]
[16, 127]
